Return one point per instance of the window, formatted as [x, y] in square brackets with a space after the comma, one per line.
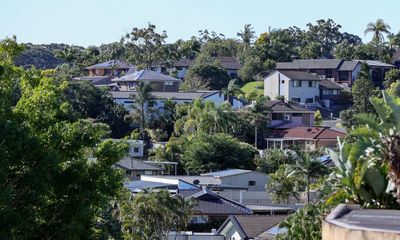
[296, 83]
[252, 183]
[178, 68]
[152, 104]
[168, 83]
[328, 73]
[296, 114]
[283, 81]
[309, 100]
[294, 99]
[312, 84]
[277, 116]
[135, 149]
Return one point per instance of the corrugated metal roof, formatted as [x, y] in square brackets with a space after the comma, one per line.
[146, 75]
[137, 186]
[117, 64]
[133, 164]
[226, 173]
[299, 64]
[299, 75]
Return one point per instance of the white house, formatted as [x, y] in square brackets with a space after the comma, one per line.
[296, 86]
[125, 98]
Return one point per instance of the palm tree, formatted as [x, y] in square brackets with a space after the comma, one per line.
[232, 89]
[258, 113]
[377, 28]
[247, 34]
[143, 99]
[308, 167]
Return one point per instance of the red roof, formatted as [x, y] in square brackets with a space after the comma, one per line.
[315, 133]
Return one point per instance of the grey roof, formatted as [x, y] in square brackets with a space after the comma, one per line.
[229, 63]
[133, 164]
[348, 65]
[137, 186]
[281, 106]
[145, 75]
[211, 204]
[376, 63]
[309, 64]
[203, 180]
[251, 226]
[117, 64]
[96, 80]
[327, 84]
[167, 95]
[298, 75]
[226, 173]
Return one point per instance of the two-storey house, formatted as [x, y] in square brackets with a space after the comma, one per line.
[295, 86]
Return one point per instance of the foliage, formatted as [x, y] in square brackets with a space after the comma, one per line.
[49, 187]
[206, 76]
[317, 118]
[282, 185]
[378, 29]
[216, 152]
[305, 223]
[152, 215]
[272, 159]
[391, 76]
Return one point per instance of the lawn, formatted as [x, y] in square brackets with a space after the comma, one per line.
[258, 85]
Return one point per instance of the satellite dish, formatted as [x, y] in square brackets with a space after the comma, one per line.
[196, 181]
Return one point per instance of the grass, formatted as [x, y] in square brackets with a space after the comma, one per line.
[258, 85]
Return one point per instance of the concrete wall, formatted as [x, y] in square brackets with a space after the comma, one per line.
[294, 121]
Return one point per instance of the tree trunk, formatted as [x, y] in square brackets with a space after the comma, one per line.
[308, 190]
[142, 122]
[255, 136]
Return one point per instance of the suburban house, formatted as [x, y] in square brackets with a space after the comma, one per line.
[287, 115]
[243, 227]
[160, 82]
[135, 168]
[125, 98]
[339, 70]
[98, 81]
[109, 68]
[295, 86]
[230, 64]
[303, 138]
[333, 96]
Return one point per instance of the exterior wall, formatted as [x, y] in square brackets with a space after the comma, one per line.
[303, 92]
[329, 143]
[243, 180]
[233, 73]
[307, 119]
[182, 73]
[247, 197]
[276, 85]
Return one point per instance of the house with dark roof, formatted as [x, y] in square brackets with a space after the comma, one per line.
[303, 138]
[337, 70]
[245, 227]
[285, 115]
[109, 68]
[295, 86]
[160, 82]
[125, 98]
[135, 168]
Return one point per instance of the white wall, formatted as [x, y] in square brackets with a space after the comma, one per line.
[244, 178]
[303, 92]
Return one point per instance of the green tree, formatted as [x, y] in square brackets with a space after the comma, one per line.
[152, 215]
[378, 29]
[391, 76]
[231, 90]
[258, 113]
[144, 45]
[272, 159]
[308, 167]
[282, 185]
[217, 152]
[201, 77]
[142, 101]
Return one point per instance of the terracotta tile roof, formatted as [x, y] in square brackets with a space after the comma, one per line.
[251, 226]
[312, 133]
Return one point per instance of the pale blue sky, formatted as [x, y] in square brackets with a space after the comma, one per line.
[92, 22]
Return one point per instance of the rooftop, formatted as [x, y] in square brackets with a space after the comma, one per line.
[312, 133]
[167, 95]
[299, 75]
[309, 64]
[251, 226]
[133, 164]
[226, 173]
[145, 75]
[117, 64]
[281, 106]
[137, 186]
[327, 84]
[203, 180]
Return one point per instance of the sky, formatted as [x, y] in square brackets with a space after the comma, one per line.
[93, 22]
